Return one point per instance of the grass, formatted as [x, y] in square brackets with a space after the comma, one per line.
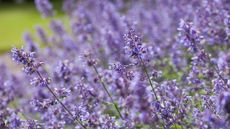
[15, 19]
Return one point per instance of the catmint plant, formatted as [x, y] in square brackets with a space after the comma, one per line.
[30, 66]
[121, 65]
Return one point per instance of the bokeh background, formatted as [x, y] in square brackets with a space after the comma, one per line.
[18, 17]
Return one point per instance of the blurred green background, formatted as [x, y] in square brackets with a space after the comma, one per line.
[19, 16]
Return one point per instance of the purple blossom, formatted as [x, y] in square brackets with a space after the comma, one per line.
[64, 71]
[190, 37]
[133, 43]
[105, 74]
[57, 27]
[40, 82]
[41, 34]
[27, 59]
[224, 102]
[45, 8]
[30, 44]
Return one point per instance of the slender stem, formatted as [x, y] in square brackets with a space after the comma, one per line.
[66, 109]
[106, 90]
[216, 68]
[150, 82]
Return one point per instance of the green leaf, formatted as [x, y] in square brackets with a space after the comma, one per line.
[176, 126]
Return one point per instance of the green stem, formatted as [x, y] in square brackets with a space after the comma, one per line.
[66, 109]
[216, 69]
[106, 90]
[150, 82]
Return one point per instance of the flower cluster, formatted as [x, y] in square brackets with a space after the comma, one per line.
[133, 44]
[45, 7]
[122, 64]
[190, 37]
[27, 59]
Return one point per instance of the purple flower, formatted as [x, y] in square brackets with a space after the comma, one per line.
[40, 82]
[224, 102]
[64, 71]
[189, 36]
[30, 44]
[41, 34]
[27, 59]
[133, 44]
[153, 81]
[33, 124]
[45, 8]
[57, 27]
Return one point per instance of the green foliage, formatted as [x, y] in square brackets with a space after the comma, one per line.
[18, 18]
[176, 126]
[110, 109]
[141, 126]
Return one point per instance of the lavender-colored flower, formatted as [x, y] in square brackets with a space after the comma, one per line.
[224, 102]
[27, 59]
[133, 44]
[14, 121]
[45, 7]
[89, 60]
[41, 34]
[30, 66]
[189, 36]
[40, 82]
[69, 6]
[42, 105]
[30, 44]
[64, 71]
[33, 124]
[154, 83]
[57, 27]
[63, 92]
